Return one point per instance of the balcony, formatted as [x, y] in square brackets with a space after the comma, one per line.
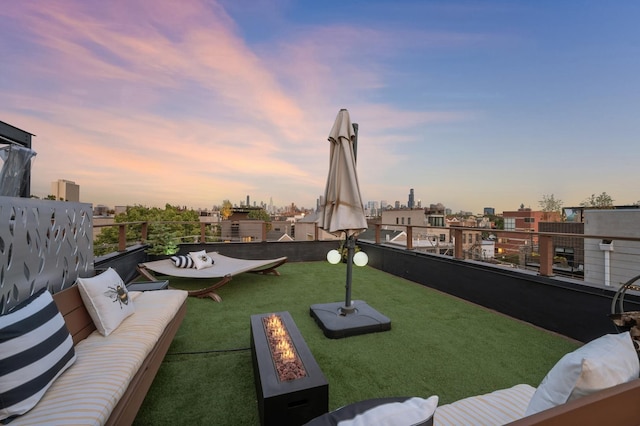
[572, 310]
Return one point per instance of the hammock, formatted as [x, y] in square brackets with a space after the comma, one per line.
[224, 267]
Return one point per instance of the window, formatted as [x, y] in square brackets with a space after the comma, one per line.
[397, 220]
[567, 253]
[403, 220]
[408, 221]
[529, 220]
[436, 221]
[509, 223]
[443, 237]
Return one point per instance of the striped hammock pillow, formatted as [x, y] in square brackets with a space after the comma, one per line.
[183, 261]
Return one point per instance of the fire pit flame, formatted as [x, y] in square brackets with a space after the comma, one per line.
[283, 353]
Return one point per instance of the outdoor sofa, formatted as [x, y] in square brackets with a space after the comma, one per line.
[598, 384]
[109, 361]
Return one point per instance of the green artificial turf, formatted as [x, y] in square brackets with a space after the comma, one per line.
[437, 345]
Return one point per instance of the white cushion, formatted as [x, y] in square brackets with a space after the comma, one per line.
[107, 300]
[87, 393]
[491, 409]
[602, 363]
[410, 412]
[201, 260]
[35, 348]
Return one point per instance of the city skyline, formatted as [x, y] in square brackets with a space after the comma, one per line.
[471, 104]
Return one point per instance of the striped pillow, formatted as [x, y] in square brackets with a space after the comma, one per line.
[183, 261]
[35, 348]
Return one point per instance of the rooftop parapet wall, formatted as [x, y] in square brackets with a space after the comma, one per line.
[43, 243]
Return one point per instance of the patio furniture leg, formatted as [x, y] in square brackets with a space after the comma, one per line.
[142, 270]
[271, 270]
[209, 291]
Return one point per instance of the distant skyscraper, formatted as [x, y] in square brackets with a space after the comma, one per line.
[411, 204]
[489, 211]
[65, 190]
[248, 203]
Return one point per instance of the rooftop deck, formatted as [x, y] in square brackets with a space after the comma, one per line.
[400, 283]
[438, 345]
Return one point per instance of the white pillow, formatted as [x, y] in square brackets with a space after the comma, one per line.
[107, 299]
[602, 363]
[201, 260]
[410, 412]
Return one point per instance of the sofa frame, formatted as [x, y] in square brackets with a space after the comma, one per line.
[81, 325]
[617, 406]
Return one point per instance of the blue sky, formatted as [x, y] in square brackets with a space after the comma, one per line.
[471, 103]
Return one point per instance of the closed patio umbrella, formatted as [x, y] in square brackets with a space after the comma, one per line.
[342, 210]
[342, 213]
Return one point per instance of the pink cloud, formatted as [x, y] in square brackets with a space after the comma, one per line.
[160, 100]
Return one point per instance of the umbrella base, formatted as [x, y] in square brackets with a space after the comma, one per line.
[336, 323]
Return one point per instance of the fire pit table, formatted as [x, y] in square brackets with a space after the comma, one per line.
[290, 386]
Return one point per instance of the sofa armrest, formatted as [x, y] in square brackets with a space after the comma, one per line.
[617, 406]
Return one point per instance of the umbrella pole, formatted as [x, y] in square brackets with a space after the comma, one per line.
[351, 245]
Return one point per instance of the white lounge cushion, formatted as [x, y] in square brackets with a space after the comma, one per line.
[492, 409]
[602, 363]
[88, 392]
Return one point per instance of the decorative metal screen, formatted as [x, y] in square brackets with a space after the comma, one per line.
[42, 244]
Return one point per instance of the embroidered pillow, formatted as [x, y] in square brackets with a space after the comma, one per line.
[35, 348]
[107, 300]
[183, 261]
[201, 260]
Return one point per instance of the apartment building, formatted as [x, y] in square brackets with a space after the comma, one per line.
[65, 190]
[521, 221]
[429, 230]
[611, 262]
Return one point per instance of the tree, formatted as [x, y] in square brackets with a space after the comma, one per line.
[51, 197]
[225, 210]
[600, 201]
[550, 204]
[107, 240]
[163, 240]
[260, 214]
[498, 222]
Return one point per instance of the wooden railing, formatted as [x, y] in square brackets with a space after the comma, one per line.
[122, 230]
[542, 243]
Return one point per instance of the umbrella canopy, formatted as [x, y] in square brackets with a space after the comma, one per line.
[342, 210]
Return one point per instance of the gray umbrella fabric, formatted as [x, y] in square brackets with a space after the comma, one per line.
[342, 210]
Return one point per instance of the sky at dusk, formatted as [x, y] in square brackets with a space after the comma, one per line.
[472, 104]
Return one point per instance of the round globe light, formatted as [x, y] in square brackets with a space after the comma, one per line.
[333, 257]
[360, 258]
